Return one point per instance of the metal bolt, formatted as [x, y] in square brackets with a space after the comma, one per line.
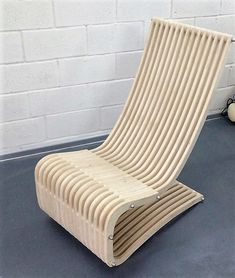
[113, 264]
[111, 237]
[158, 197]
[202, 198]
[132, 206]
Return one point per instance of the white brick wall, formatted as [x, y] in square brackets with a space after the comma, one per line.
[219, 23]
[22, 132]
[73, 123]
[28, 76]
[86, 69]
[57, 43]
[109, 116]
[20, 15]
[111, 38]
[79, 12]
[66, 66]
[130, 10]
[227, 7]
[189, 8]
[14, 107]
[11, 49]
[127, 63]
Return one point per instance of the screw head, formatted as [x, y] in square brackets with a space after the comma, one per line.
[132, 206]
[202, 198]
[158, 197]
[113, 264]
[111, 237]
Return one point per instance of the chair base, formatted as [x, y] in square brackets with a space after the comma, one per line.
[131, 229]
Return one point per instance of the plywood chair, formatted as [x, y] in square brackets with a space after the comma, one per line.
[113, 198]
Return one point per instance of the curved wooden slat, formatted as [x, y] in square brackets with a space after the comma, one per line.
[113, 198]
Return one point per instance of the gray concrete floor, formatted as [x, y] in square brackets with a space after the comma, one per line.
[199, 243]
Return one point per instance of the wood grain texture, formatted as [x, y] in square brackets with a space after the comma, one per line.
[113, 198]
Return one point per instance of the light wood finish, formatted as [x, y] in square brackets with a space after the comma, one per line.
[115, 197]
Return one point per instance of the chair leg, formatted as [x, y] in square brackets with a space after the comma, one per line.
[133, 228]
[130, 229]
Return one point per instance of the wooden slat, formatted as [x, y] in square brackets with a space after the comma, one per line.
[113, 198]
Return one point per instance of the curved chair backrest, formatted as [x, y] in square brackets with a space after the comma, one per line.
[168, 102]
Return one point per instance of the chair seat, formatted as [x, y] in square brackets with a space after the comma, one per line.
[100, 176]
[108, 210]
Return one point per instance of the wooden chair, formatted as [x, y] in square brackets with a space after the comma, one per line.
[113, 198]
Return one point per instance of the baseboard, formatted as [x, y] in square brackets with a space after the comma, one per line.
[213, 116]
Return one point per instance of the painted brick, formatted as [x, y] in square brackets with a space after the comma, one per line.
[190, 8]
[14, 107]
[228, 7]
[115, 37]
[86, 69]
[79, 12]
[190, 21]
[227, 24]
[127, 64]
[109, 93]
[223, 81]
[109, 116]
[55, 43]
[18, 15]
[231, 77]
[208, 22]
[147, 25]
[130, 36]
[224, 24]
[58, 100]
[142, 9]
[10, 47]
[101, 38]
[220, 98]
[231, 54]
[73, 123]
[22, 132]
[81, 97]
[22, 77]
